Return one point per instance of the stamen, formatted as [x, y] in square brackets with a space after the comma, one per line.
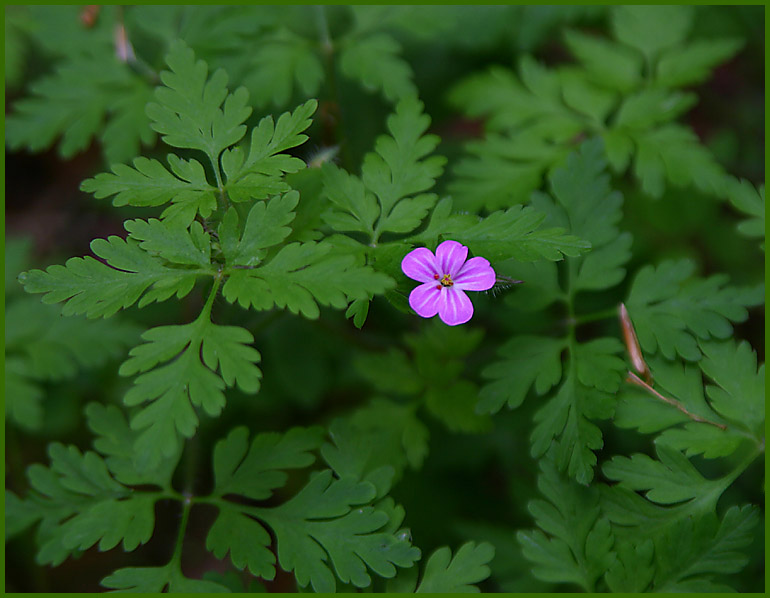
[446, 280]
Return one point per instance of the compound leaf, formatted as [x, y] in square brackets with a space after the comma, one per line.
[88, 286]
[301, 276]
[173, 389]
[318, 525]
[194, 110]
[670, 480]
[148, 183]
[259, 174]
[264, 227]
[573, 542]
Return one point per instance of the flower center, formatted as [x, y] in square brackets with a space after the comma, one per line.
[446, 280]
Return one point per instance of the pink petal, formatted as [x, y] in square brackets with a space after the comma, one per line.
[475, 275]
[450, 256]
[454, 307]
[424, 299]
[420, 265]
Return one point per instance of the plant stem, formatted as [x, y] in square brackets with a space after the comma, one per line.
[223, 203]
[330, 113]
[634, 379]
[176, 558]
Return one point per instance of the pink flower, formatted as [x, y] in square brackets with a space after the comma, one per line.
[445, 277]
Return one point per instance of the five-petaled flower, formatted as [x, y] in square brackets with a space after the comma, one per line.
[444, 277]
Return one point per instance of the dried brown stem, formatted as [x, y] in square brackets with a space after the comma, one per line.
[634, 379]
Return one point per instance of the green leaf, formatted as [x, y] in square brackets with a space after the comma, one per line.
[318, 524]
[401, 378]
[739, 392]
[692, 63]
[264, 227]
[86, 97]
[80, 504]
[172, 243]
[444, 573]
[381, 433]
[565, 419]
[651, 29]
[301, 276]
[259, 174]
[374, 61]
[455, 406]
[694, 550]
[648, 107]
[158, 579]
[45, 346]
[23, 397]
[185, 382]
[115, 440]
[526, 361]
[633, 570]
[190, 113]
[358, 208]
[751, 201]
[670, 309]
[255, 471]
[399, 167]
[607, 63]
[673, 152]
[245, 539]
[573, 543]
[88, 286]
[670, 480]
[280, 62]
[517, 233]
[598, 364]
[148, 183]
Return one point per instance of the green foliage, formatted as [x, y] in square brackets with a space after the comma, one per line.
[577, 544]
[41, 346]
[329, 519]
[237, 220]
[750, 201]
[670, 309]
[78, 503]
[624, 90]
[584, 204]
[194, 351]
[395, 174]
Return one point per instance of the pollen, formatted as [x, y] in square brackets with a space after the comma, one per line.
[446, 281]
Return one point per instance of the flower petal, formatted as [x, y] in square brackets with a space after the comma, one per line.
[420, 264]
[450, 256]
[475, 275]
[454, 307]
[424, 299]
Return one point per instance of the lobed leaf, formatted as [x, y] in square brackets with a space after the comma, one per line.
[148, 183]
[670, 309]
[194, 110]
[444, 573]
[375, 62]
[301, 276]
[87, 286]
[175, 388]
[526, 361]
